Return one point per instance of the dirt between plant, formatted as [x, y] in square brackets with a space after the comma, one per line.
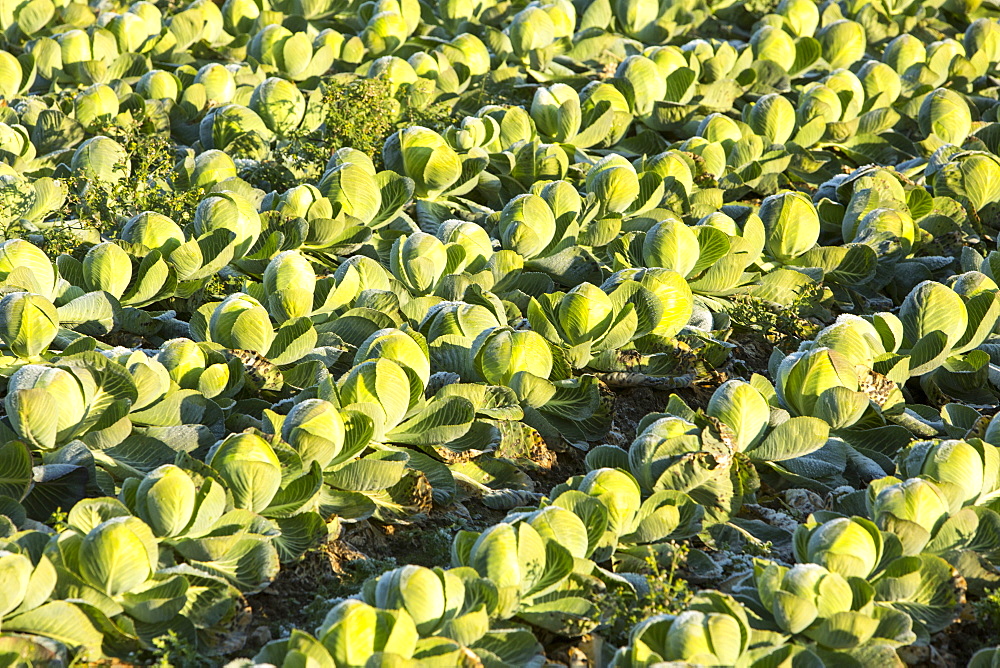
[952, 647]
[305, 591]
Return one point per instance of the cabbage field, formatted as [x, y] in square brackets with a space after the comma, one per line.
[487, 333]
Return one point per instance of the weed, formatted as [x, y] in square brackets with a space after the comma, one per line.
[311, 587]
[63, 237]
[349, 583]
[495, 90]
[220, 286]
[95, 209]
[987, 610]
[172, 650]
[148, 187]
[436, 115]
[358, 113]
[780, 325]
[661, 591]
[763, 549]
[432, 547]
[58, 520]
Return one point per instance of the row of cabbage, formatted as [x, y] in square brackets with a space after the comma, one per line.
[402, 333]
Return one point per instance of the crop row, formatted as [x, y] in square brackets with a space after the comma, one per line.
[224, 337]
